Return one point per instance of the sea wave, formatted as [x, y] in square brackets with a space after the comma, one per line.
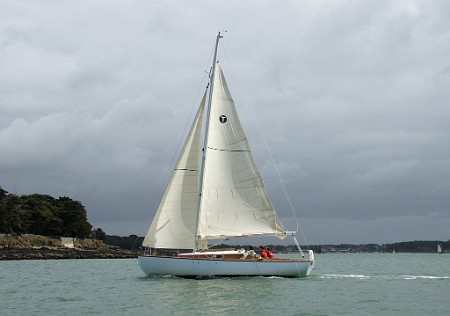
[383, 277]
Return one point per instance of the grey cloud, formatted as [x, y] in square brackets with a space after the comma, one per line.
[352, 98]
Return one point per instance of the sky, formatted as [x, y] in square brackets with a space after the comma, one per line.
[352, 97]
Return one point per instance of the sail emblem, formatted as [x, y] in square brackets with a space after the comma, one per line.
[222, 119]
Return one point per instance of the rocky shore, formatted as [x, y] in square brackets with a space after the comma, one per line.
[31, 247]
[61, 253]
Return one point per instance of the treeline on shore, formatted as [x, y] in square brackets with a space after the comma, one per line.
[41, 214]
[31, 227]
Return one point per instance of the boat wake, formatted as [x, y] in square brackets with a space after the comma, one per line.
[383, 277]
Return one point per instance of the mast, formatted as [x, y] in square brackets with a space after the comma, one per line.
[205, 144]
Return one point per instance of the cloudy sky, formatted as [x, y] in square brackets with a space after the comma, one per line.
[353, 98]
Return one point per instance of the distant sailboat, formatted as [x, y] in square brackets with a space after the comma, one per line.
[216, 193]
[439, 248]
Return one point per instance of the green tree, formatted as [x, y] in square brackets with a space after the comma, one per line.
[43, 215]
[74, 217]
[13, 219]
[99, 234]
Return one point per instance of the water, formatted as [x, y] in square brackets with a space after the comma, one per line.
[342, 284]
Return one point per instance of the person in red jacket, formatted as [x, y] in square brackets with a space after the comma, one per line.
[269, 253]
[262, 252]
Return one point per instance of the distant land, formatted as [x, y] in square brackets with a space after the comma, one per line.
[133, 243]
[31, 247]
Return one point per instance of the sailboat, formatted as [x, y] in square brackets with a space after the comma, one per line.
[216, 192]
[439, 248]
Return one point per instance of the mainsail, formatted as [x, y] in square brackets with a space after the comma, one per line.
[174, 223]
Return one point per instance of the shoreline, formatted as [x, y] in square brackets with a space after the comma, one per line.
[46, 253]
[36, 247]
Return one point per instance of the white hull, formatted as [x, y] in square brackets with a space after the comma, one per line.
[187, 267]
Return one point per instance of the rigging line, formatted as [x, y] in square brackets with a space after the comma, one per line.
[298, 225]
[171, 166]
[230, 150]
[184, 169]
